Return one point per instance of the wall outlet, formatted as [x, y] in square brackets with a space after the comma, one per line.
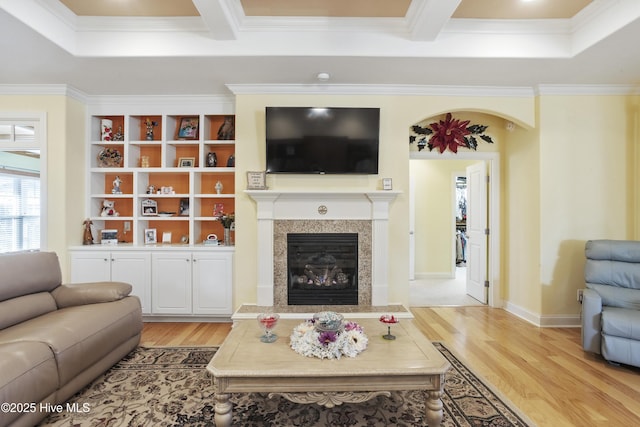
[580, 291]
[127, 226]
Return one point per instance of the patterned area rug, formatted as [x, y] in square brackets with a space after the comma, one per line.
[171, 387]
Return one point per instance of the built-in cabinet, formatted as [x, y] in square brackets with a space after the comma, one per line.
[133, 267]
[167, 281]
[191, 283]
[158, 179]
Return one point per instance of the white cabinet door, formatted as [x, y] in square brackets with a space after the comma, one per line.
[212, 283]
[134, 268]
[90, 266]
[171, 282]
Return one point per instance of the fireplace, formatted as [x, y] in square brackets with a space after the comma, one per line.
[306, 211]
[322, 268]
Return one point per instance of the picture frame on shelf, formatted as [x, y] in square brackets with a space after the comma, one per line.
[149, 207]
[256, 180]
[150, 236]
[186, 162]
[109, 237]
[166, 237]
[387, 184]
[188, 128]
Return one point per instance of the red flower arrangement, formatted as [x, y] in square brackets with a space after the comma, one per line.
[449, 134]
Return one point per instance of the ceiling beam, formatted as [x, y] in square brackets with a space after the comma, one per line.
[427, 18]
[218, 17]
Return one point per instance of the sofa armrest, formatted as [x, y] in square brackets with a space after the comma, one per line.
[591, 320]
[90, 293]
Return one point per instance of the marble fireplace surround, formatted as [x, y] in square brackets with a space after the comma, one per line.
[364, 212]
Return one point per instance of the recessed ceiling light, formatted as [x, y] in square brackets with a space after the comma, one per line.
[324, 77]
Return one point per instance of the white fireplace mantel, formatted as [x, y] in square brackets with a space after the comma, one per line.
[275, 205]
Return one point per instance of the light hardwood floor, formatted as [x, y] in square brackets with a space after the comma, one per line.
[543, 371]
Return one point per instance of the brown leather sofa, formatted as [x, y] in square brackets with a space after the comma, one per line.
[55, 339]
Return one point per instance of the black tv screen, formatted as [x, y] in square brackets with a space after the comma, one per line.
[334, 140]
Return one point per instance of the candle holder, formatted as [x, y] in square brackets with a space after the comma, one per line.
[268, 321]
[389, 319]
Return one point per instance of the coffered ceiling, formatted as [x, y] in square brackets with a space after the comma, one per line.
[191, 47]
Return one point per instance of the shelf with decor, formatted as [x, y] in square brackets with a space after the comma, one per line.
[184, 163]
[151, 178]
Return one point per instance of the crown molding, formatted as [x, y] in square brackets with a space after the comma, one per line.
[363, 89]
[568, 90]
[40, 90]
[160, 104]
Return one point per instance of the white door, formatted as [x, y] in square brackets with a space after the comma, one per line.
[476, 248]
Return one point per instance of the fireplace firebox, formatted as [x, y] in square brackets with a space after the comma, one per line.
[322, 268]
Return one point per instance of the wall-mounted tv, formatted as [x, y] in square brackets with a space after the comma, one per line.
[337, 140]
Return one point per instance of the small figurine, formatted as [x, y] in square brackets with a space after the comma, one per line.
[212, 160]
[227, 129]
[109, 208]
[116, 185]
[87, 238]
[150, 124]
[219, 187]
[118, 136]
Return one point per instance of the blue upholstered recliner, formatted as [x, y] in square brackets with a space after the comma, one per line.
[611, 300]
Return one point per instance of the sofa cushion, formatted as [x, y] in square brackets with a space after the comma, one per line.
[28, 375]
[80, 336]
[90, 293]
[26, 307]
[617, 297]
[25, 273]
[621, 322]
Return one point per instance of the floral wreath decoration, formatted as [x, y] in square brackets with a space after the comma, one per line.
[449, 133]
[349, 340]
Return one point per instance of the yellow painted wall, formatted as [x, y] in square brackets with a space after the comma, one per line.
[65, 118]
[398, 113]
[584, 176]
[521, 220]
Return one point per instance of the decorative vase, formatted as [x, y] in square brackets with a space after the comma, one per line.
[227, 237]
[106, 133]
[219, 187]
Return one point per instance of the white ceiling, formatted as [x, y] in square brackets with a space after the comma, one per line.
[44, 42]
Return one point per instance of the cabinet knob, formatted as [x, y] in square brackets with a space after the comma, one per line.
[106, 259]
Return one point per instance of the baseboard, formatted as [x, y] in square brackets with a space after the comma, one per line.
[544, 320]
[439, 275]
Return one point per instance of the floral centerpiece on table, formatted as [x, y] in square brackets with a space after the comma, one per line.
[310, 341]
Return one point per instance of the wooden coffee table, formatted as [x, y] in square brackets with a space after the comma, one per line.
[244, 364]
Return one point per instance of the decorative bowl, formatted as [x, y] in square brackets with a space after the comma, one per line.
[109, 158]
[328, 320]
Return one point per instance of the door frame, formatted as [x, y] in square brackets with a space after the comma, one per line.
[493, 162]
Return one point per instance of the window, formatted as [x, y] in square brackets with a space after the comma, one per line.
[21, 201]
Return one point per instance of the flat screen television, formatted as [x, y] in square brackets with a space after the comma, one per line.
[310, 140]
